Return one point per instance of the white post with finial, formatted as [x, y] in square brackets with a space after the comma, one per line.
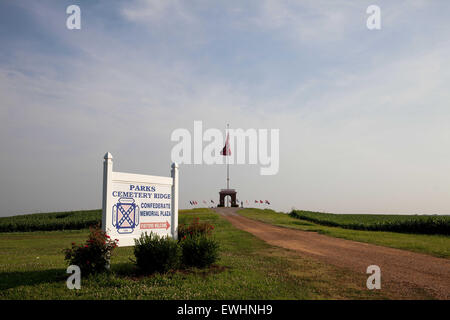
[107, 187]
[228, 162]
[174, 224]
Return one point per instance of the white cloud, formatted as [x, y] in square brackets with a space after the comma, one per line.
[306, 21]
[369, 139]
[158, 11]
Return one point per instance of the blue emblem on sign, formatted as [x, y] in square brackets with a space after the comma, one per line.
[125, 215]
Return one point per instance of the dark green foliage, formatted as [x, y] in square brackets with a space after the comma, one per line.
[156, 254]
[195, 228]
[419, 224]
[198, 247]
[199, 251]
[195, 248]
[73, 220]
[94, 255]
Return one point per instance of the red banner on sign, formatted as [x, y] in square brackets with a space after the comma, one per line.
[155, 225]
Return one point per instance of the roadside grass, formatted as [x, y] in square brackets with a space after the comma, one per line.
[436, 245]
[32, 267]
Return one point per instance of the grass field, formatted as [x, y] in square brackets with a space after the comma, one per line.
[32, 267]
[436, 245]
[419, 224]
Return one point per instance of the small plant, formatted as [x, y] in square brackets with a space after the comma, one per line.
[94, 255]
[156, 254]
[195, 228]
[198, 247]
[199, 251]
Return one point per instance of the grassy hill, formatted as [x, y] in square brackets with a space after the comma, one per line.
[76, 220]
[434, 244]
[32, 266]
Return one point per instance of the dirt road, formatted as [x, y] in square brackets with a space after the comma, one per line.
[404, 272]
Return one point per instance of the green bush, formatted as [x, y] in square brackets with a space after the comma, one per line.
[156, 254]
[195, 248]
[94, 255]
[199, 251]
[195, 228]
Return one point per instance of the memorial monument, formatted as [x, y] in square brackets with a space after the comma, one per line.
[226, 151]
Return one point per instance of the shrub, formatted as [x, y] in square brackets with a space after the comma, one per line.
[199, 251]
[195, 228]
[198, 248]
[94, 255]
[156, 254]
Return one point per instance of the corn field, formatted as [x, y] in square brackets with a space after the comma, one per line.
[420, 224]
[72, 220]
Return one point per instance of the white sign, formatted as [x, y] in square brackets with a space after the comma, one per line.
[135, 203]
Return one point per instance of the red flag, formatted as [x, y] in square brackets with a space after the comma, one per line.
[260, 201]
[256, 201]
[226, 151]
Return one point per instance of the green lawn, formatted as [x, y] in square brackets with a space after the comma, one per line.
[436, 245]
[32, 267]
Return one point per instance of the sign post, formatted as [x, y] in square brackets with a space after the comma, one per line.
[134, 204]
[174, 175]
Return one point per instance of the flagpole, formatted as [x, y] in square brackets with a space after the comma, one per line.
[228, 165]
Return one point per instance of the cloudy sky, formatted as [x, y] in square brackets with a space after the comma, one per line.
[364, 116]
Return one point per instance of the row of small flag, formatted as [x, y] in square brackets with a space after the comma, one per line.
[260, 201]
[194, 203]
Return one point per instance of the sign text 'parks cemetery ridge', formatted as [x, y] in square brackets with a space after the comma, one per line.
[135, 203]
